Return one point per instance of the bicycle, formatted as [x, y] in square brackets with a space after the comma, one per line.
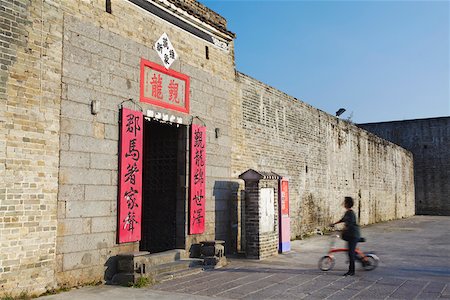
[369, 261]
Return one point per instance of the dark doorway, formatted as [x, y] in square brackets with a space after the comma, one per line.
[161, 168]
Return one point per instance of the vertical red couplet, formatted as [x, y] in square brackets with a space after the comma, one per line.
[197, 179]
[284, 197]
[130, 176]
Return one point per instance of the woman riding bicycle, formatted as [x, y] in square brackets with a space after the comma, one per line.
[350, 233]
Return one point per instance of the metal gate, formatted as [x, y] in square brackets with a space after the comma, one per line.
[159, 187]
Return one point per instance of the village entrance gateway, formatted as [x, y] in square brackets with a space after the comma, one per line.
[164, 198]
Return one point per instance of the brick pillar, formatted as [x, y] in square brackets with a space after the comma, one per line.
[261, 231]
[252, 219]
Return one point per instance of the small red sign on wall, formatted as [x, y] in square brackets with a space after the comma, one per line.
[197, 180]
[284, 197]
[164, 88]
[130, 176]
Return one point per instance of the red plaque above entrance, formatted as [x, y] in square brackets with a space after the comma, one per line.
[164, 88]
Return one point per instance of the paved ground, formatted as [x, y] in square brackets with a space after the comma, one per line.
[415, 264]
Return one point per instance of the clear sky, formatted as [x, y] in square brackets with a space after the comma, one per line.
[380, 60]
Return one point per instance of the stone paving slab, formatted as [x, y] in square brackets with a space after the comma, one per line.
[411, 267]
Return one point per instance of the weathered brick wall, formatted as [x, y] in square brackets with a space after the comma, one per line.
[45, 127]
[259, 243]
[252, 219]
[58, 56]
[199, 10]
[30, 43]
[429, 142]
[325, 159]
[101, 61]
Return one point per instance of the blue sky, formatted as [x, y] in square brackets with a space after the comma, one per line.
[381, 60]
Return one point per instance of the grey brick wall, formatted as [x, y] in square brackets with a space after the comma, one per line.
[104, 65]
[29, 134]
[60, 161]
[325, 159]
[429, 141]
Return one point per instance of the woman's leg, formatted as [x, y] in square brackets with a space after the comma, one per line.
[351, 255]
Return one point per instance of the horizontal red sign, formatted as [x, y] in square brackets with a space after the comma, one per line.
[165, 88]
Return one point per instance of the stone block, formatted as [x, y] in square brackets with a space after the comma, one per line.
[94, 46]
[64, 141]
[78, 127]
[130, 59]
[101, 192]
[84, 74]
[217, 172]
[81, 93]
[74, 159]
[76, 176]
[71, 193]
[82, 209]
[77, 55]
[73, 110]
[86, 242]
[108, 116]
[92, 145]
[78, 260]
[112, 132]
[70, 227]
[104, 161]
[104, 224]
[71, 23]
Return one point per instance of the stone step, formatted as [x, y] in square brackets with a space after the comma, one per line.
[166, 257]
[179, 274]
[162, 272]
[173, 266]
[130, 262]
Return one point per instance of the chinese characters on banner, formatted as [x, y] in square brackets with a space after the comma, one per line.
[164, 88]
[284, 197]
[130, 176]
[198, 179]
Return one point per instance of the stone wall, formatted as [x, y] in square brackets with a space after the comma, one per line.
[58, 56]
[429, 141]
[101, 61]
[325, 159]
[58, 212]
[30, 92]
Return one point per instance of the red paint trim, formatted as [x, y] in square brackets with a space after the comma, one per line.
[162, 69]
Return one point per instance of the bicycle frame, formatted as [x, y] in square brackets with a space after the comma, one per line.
[359, 253]
[326, 263]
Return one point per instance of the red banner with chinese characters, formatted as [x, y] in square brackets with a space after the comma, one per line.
[284, 197]
[164, 88]
[130, 176]
[198, 180]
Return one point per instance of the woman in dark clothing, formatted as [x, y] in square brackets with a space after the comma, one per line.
[350, 233]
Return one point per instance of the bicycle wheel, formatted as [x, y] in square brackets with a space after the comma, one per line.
[370, 262]
[326, 263]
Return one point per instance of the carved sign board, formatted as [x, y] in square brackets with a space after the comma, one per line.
[164, 88]
[267, 210]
